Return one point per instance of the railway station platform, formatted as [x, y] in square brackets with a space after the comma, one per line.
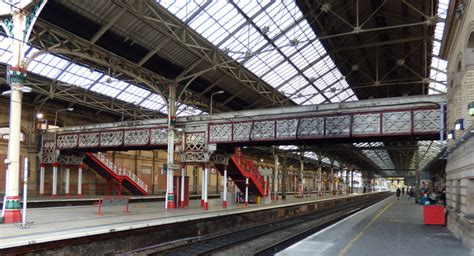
[63, 225]
[390, 227]
[62, 201]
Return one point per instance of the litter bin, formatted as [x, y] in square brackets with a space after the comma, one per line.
[433, 215]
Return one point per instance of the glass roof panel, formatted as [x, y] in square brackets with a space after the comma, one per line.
[316, 99]
[79, 75]
[60, 68]
[380, 157]
[5, 50]
[47, 65]
[283, 23]
[155, 102]
[182, 9]
[184, 110]
[428, 150]
[438, 71]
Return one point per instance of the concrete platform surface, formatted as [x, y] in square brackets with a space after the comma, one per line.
[391, 227]
[57, 223]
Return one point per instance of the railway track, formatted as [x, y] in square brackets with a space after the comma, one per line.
[220, 243]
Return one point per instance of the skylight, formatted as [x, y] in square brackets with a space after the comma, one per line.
[61, 69]
[428, 151]
[378, 156]
[276, 43]
[438, 71]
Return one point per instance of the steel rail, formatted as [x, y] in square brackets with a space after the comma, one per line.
[212, 244]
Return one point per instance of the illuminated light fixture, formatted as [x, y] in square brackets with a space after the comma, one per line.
[39, 115]
[470, 109]
[261, 159]
[451, 135]
[459, 124]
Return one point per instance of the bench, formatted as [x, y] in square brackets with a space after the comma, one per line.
[112, 201]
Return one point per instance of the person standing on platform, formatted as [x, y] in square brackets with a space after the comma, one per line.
[403, 191]
[411, 193]
[398, 193]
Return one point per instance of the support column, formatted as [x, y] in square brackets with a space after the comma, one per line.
[183, 177]
[18, 27]
[202, 186]
[217, 181]
[300, 188]
[347, 181]
[417, 170]
[195, 179]
[275, 175]
[206, 205]
[246, 191]
[170, 153]
[352, 180]
[284, 177]
[224, 196]
[320, 179]
[66, 178]
[332, 181]
[55, 179]
[79, 180]
[42, 167]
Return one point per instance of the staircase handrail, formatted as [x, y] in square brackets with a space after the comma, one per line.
[121, 170]
[250, 169]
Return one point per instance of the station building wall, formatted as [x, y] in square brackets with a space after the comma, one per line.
[460, 164]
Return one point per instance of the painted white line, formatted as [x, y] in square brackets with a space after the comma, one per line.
[335, 224]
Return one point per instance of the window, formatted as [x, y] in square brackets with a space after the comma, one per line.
[470, 41]
[5, 131]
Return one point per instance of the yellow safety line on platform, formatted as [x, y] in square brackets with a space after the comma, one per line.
[349, 245]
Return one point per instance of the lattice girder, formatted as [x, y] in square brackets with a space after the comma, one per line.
[241, 131]
[263, 130]
[220, 132]
[365, 124]
[111, 138]
[136, 137]
[195, 141]
[89, 140]
[397, 122]
[338, 125]
[286, 129]
[426, 120]
[49, 152]
[311, 127]
[159, 136]
[65, 141]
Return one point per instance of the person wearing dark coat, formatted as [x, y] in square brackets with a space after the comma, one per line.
[398, 193]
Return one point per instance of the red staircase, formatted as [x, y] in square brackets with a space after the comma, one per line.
[239, 168]
[116, 174]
